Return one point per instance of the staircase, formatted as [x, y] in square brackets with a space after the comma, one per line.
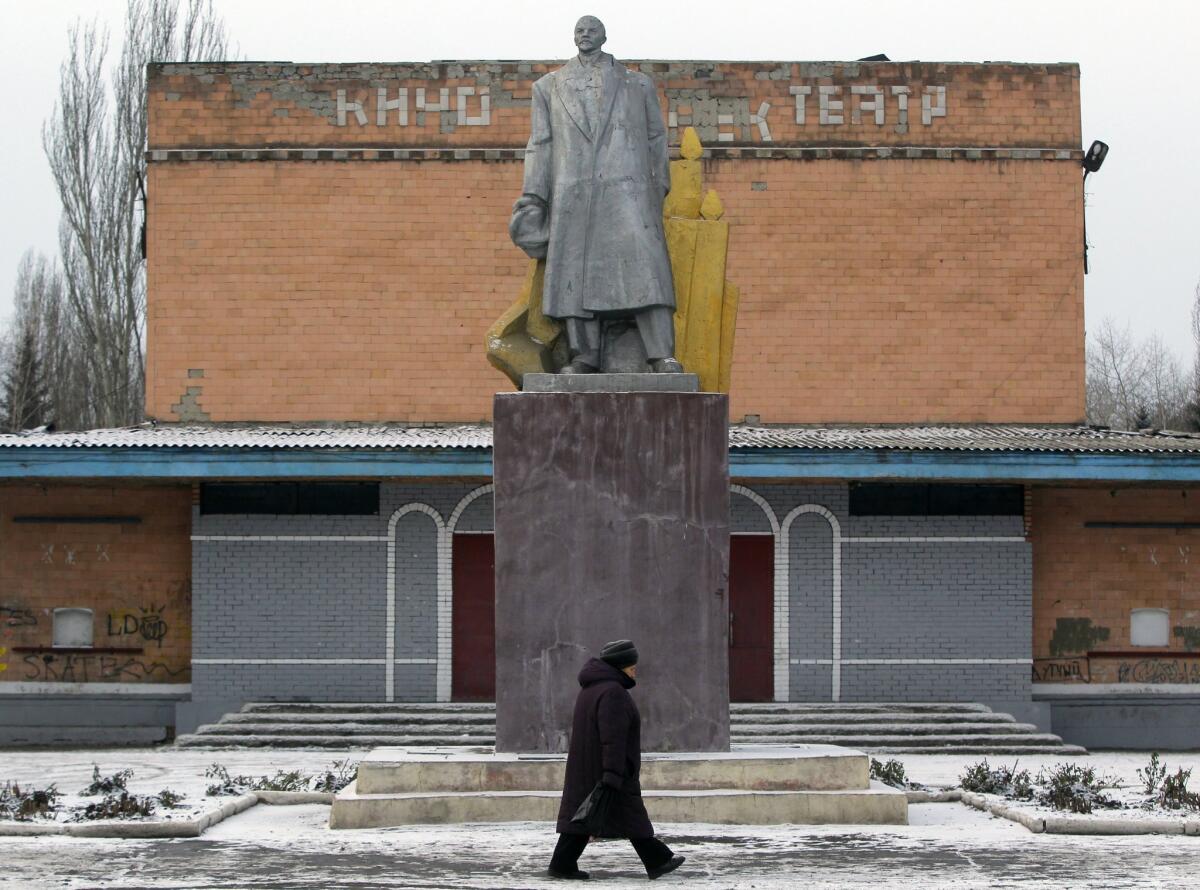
[875, 728]
[351, 725]
[961, 728]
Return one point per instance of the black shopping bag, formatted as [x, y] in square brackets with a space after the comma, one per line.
[592, 814]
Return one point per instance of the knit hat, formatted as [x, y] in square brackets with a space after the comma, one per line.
[619, 653]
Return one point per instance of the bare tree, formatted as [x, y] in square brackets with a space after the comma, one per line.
[96, 149]
[28, 376]
[1132, 384]
[1115, 376]
[1192, 408]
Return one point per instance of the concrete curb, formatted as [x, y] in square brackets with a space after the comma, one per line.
[123, 829]
[934, 796]
[293, 798]
[1065, 824]
[162, 828]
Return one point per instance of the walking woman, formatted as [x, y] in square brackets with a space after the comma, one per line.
[606, 748]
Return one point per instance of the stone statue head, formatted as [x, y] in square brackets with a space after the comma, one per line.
[590, 34]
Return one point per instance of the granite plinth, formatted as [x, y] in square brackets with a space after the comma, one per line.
[612, 522]
[748, 785]
[400, 770]
[610, 383]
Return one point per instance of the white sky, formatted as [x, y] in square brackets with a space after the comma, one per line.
[1139, 89]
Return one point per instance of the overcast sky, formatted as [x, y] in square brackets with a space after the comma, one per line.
[1139, 87]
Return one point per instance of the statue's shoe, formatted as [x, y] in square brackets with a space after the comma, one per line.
[577, 367]
[666, 366]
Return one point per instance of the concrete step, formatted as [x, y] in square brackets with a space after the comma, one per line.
[980, 743]
[869, 726]
[445, 708]
[21, 736]
[413, 718]
[203, 740]
[1014, 750]
[738, 720]
[879, 729]
[748, 768]
[857, 708]
[439, 730]
[878, 805]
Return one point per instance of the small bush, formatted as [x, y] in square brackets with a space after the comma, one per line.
[122, 805]
[343, 772]
[24, 805]
[107, 784]
[1069, 786]
[1009, 782]
[281, 781]
[1153, 775]
[1174, 793]
[169, 798]
[890, 773]
[226, 784]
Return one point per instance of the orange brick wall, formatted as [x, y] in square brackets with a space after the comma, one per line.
[135, 578]
[255, 104]
[1100, 574]
[873, 291]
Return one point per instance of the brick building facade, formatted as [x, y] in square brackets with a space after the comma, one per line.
[916, 514]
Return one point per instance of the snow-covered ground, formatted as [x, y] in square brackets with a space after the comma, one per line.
[945, 845]
[945, 770]
[154, 769]
[291, 848]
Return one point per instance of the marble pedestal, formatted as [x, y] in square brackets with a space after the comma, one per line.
[612, 521]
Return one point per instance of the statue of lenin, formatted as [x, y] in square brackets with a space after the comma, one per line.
[596, 173]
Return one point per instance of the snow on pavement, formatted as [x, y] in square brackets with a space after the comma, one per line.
[945, 845]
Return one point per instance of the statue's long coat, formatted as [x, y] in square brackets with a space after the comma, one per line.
[605, 187]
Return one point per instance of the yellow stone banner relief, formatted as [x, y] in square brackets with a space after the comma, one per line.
[524, 341]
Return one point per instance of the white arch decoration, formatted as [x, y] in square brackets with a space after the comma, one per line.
[442, 593]
[783, 567]
[780, 631]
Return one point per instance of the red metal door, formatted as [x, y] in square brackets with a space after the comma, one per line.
[751, 603]
[473, 659]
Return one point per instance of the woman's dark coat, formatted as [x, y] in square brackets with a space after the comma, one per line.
[606, 743]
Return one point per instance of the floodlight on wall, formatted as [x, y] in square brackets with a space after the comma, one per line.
[1093, 159]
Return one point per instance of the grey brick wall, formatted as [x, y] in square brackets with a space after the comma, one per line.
[416, 587]
[811, 570]
[328, 599]
[926, 600]
[903, 600]
[314, 599]
[288, 682]
[986, 683]
[288, 599]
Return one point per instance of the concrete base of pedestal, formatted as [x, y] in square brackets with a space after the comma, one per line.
[759, 785]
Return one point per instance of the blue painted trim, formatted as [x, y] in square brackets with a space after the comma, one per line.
[972, 465]
[231, 463]
[774, 463]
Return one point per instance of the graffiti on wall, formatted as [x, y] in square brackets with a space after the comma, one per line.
[143, 622]
[17, 616]
[74, 554]
[1159, 670]
[1061, 670]
[87, 667]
